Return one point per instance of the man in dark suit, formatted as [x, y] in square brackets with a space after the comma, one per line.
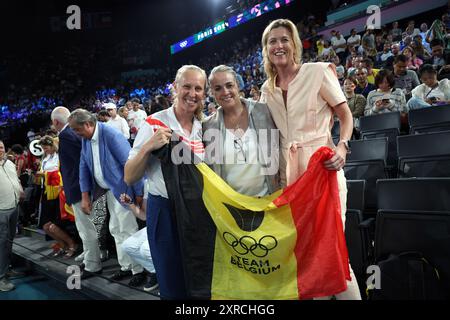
[69, 157]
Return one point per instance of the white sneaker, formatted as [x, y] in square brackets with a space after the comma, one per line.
[6, 285]
[80, 257]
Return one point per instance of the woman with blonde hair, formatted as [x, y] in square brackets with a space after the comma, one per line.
[123, 112]
[183, 119]
[303, 98]
[50, 215]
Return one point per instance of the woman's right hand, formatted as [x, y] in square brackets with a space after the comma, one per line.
[159, 139]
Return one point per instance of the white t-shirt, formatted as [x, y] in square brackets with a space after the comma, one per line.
[9, 185]
[354, 40]
[138, 117]
[241, 169]
[50, 162]
[440, 92]
[435, 93]
[386, 55]
[121, 125]
[155, 179]
[338, 42]
[326, 51]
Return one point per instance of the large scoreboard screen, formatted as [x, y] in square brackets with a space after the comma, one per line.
[234, 21]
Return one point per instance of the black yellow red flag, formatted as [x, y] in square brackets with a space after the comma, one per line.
[288, 245]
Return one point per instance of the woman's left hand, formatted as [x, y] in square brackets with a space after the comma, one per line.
[337, 161]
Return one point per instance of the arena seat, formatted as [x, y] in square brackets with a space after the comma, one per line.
[357, 232]
[431, 119]
[424, 155]
[383, 125]
[367, 161]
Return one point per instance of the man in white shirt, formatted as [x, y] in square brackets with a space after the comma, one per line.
[339, 45]
[137, 116]
[332, 36]
[354, 41]
[386, 54]
[117, 121]
[10, 194]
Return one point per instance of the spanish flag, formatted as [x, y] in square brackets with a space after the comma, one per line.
[289, 245]
[52, 184]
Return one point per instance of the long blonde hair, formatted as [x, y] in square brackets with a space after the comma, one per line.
[199, 111]
[269, 68]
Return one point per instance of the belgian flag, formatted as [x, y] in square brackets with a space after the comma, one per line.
[289, 245]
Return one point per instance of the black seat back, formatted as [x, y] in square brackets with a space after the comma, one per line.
[424, 155]
[384, 121]
[426, 194]
[419, 231]
[356, 242]
[335, 130]
[355, 194]
[430, 119]
[425, 144]
[366, 150]
[383, 125]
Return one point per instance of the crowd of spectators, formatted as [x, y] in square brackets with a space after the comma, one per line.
[400, 67]
[67, 79]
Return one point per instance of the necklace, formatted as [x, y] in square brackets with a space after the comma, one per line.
[235, 126]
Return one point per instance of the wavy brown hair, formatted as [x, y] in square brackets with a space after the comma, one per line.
[50, 142]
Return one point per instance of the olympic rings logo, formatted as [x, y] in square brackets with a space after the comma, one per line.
[248, 244]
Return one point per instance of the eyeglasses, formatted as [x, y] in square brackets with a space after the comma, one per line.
[238, 145]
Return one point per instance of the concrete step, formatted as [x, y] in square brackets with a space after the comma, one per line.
[33, 232]
[36, 253]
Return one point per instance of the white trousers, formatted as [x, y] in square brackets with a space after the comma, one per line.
[138, 249]
[122, 225]
[88, 234]
[352, 292]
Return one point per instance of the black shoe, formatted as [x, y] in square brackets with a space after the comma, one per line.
[137, 280]
[152, 283]
[87, 274]
[119, 275]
